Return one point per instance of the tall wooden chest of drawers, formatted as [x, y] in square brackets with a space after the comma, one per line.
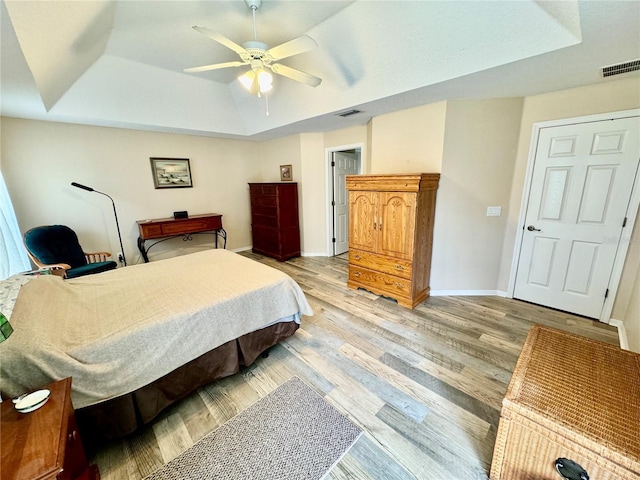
[391, 234]
[574, 401]
[275, 227]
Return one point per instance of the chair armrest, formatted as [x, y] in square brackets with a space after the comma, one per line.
[59, 269]
[95, 257]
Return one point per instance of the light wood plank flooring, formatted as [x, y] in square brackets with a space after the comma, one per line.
[425, 385]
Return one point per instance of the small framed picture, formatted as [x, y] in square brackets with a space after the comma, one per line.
[171, 172]
[286, 173]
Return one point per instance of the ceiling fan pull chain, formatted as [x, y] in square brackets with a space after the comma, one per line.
[266, 102]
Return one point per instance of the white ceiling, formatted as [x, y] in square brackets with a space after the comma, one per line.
[121, 63]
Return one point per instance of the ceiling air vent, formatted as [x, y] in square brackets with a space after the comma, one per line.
[620, 68]
[348, 113]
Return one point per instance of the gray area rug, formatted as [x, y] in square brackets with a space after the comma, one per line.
[291, 433]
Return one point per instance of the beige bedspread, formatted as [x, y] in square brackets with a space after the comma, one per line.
[117, 331]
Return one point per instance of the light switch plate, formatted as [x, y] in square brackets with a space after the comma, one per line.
[494, 211]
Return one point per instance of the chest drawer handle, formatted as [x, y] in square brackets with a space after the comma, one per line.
[356, 274]
[399, 267]
[570, 470]
[72, 436]
[357, 257]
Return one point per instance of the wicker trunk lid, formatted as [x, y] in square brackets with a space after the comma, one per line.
[570, 397]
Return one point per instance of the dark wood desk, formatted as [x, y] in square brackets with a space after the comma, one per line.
[44, 444]
[167, 228]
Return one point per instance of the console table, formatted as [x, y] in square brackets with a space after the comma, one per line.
[167, 228]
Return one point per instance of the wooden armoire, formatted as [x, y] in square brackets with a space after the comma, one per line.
[391, 234]
[275, 226]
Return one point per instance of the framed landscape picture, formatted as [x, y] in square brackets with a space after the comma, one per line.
[171, 172]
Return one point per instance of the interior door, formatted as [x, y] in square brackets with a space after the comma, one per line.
[581, 186]
[344, 164]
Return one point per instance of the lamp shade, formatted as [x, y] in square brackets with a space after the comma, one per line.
[257, 81]
[5, 328]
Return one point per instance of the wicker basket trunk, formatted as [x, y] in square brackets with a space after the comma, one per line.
[574, 398]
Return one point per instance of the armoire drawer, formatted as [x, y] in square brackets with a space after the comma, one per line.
[372, 261]
[380, 282]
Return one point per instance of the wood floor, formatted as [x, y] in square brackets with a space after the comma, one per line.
[425, 385]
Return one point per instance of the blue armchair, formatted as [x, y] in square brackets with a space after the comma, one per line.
[57, 247]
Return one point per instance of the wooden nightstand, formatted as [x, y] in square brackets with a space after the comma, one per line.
[44, 444]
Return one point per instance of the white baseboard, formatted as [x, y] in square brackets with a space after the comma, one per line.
[241, 249]
[622, 333]
[467, 293]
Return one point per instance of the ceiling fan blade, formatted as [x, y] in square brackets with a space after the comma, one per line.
[293, 47]
[220, 39]
[297, 75]
[215, 66]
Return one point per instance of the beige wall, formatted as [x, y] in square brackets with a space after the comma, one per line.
[608, 96]
[347, 136]
[41, 159]
[307, 154]
[281, 151]
[632, 316]
[479, 146]
[603, 97]
[314, 194]
[480, 142]
[626, 290]
[408, 141]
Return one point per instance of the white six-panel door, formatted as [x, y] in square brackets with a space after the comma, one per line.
[581, 186]
[345, 164]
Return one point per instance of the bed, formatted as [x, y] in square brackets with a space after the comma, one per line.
[139, 338]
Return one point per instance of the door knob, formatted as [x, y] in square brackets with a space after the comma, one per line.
[531, 228]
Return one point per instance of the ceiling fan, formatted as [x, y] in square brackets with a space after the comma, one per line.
[260, 58]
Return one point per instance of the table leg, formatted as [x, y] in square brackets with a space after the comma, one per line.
[142, 250]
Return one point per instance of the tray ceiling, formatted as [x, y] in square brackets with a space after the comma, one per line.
[121, 63]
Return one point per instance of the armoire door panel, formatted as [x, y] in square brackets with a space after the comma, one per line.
[396, 224]
[363, 227]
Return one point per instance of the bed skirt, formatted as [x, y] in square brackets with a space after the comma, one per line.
[125, 414]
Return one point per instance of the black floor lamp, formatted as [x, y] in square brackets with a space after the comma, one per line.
[89, 189]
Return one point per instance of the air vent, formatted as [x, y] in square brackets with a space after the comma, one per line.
[348, 113]
[620, 68]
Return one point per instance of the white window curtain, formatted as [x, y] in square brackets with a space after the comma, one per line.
[13, 257]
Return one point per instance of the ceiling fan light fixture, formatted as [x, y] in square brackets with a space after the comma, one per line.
[265, 80]
[257, 80]
[257, 55]
[247, 79]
